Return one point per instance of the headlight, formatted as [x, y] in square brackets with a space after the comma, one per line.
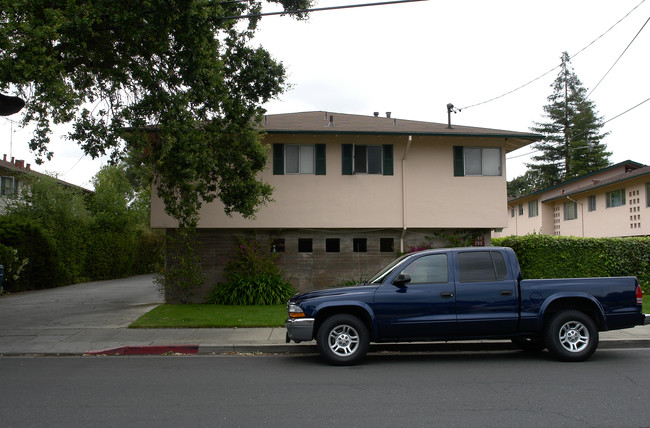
[295, 311]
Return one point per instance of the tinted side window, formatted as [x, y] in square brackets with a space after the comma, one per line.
[482, 266]
[428, 269]
[499, 265]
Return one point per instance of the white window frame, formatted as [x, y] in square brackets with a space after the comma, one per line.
[481, 152]
[306, 162]
[611, 202]
[533, 208]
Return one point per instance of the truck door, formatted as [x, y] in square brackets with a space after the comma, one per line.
[424, 308]
[486, 294]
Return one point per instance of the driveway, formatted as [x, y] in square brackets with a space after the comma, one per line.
[102, 304]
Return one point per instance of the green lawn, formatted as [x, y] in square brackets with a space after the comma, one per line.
[212, 316]
[216, 316]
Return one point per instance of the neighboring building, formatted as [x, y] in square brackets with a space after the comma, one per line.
[13, 178]
[350, 191]
[613, 201]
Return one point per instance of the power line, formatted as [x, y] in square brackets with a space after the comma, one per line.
[317, 9]
[579, 135]
[620, 56]
[557, 66]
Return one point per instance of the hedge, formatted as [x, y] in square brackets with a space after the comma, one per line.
[544, 256]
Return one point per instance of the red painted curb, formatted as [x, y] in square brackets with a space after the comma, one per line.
[146, 350]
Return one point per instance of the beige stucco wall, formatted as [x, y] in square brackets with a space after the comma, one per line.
[422, 193]
[631, 219]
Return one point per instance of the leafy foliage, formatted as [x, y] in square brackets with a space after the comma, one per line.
[59, 235]
[184, 67]
[572, 135]
[545, 256]
[252, 277]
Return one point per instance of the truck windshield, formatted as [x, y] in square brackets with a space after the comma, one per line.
[379, 276]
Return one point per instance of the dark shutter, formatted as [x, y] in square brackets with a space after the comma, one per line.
[459, 162]
[320, 159]
[346, 168]
[278, 159]
[388, 159]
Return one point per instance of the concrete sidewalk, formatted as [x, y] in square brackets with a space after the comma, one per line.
[93, 319]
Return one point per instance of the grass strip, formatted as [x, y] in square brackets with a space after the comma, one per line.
[222, 316]
[212, 316]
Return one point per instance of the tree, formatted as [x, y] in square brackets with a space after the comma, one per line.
[524, 184]
[185, 67]
[572, 135]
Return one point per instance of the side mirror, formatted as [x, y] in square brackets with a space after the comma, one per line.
[402, 279]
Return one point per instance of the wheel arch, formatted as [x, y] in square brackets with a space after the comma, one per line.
[584, 303]
[363, 312]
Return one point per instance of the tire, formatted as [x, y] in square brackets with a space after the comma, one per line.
[342, 339]
[529, 344]
[571, 336]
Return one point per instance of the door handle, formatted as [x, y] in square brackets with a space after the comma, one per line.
[505, 292]
[447, 294]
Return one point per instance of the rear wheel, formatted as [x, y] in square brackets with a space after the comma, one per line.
[571, 336]
[342, 339]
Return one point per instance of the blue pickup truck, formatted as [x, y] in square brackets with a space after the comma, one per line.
[461, 294]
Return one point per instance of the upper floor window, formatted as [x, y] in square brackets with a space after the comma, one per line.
[570, 210]
[7, 186]
[592, 203]
[533, 208]
[367, 159]
[299, 159]
[615, 198]
[477, 161]
[521, 209]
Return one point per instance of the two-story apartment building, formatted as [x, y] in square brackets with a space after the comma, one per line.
[14, 177]
[613, 201]
[12, 173]
[350, 191]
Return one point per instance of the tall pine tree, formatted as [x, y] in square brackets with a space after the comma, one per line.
[572, 135]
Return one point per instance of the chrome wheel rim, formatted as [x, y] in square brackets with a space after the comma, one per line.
[343, 340]
[574, 336]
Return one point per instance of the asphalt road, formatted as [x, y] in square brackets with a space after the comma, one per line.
[498, 389]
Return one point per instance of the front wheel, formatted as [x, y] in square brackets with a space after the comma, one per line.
[342, 339]
[571, 336]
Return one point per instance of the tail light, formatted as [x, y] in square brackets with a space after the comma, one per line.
[639, 295]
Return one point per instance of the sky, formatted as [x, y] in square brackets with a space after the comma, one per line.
[412, 59]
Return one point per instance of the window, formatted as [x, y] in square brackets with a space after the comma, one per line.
[477, 161]
[332, 245]
[512, 212]
[521, 209]
[591, 202]
[304, 245]
[647, 195]
[533, 209]
[299, 159]
[7, 186]
[277, 245]
[482, 266]
[570, 210]
[386, 245]
[367, 159]
[360, 245]
[428, 269]
[615, 198]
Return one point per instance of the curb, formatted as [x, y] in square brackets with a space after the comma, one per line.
[296, 349]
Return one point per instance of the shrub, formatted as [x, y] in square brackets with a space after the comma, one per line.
[544, 256]
[252, 277]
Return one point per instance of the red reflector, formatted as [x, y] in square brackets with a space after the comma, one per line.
[639, 295]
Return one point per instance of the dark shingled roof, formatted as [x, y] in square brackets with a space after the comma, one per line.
[323, 122]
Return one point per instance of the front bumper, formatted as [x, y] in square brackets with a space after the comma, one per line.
[299, 329]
